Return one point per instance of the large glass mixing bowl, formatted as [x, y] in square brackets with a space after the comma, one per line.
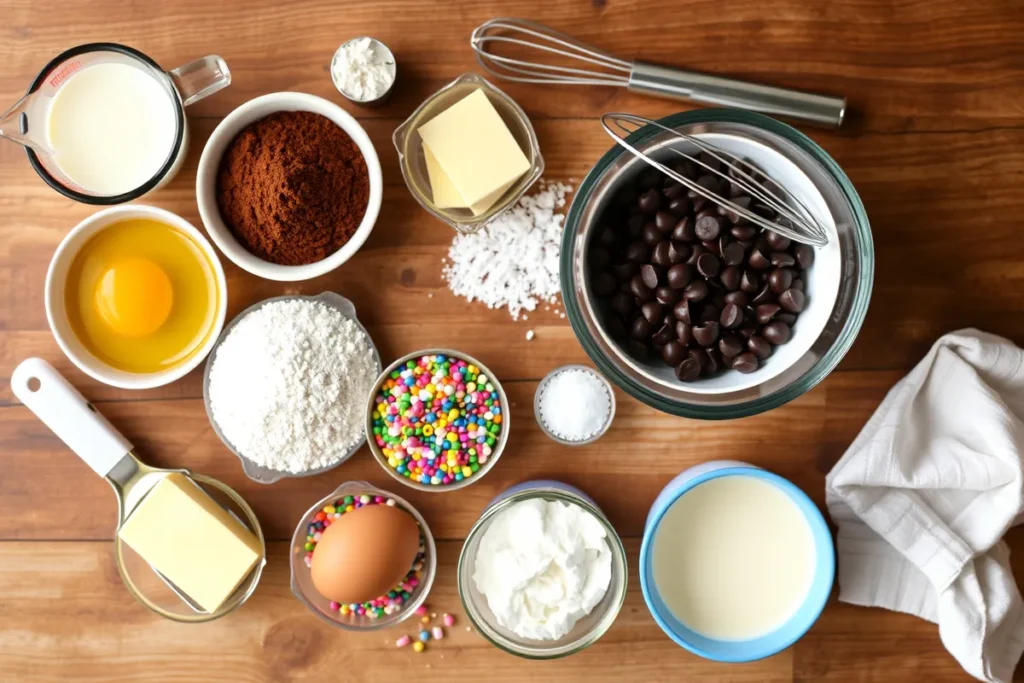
[811, 168]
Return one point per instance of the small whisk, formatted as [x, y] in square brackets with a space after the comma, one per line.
[643, 77]
[792, 218]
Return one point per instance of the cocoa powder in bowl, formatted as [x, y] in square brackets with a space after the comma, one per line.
[293, 188]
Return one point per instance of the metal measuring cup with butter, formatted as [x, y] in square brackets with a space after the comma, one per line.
[188, 546]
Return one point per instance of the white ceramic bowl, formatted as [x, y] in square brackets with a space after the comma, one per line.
[206, 183]
[57, 317]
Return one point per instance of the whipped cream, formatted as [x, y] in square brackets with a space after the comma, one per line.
[543, 565]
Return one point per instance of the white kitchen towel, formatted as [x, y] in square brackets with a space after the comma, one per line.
[924, 494]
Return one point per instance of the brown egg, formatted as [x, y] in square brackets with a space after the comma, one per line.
[365, 553]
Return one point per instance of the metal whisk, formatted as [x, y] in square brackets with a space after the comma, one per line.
[651, 79]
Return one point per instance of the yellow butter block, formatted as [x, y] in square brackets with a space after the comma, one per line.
[445, 194]
[186, 536]
[475, 148]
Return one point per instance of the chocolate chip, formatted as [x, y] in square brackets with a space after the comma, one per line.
[776, 332]
[732, 254]
[780, 280]
[710, 161]
[711, 183]
[684, 333]
[682, 311]
[776, 241]
[787, 318]
[667, 295]
[714, 361]
[640, 290]
[701, 356]
[688, 370]
[637, 349]
[730, 345]
[664, 336]
[622, 272]
[696, 290]
[665, 221]
[748, 329]
[732, 316]
[712, 247]
[623, 303]
[781, 259]
[804, 255]
[599, 258]
[652, 310]
[637, 252]
[606, 237]
[797, 284]
[735, 217]
[730, 278]
[650, 275]
[678, 252]
[679, 275]
[706, 334]
[708, 265]
[650, 234]
[765, 296]
[649, 201]
[680, 205]
[695, 253]
[766, 312]
[743, 232]
[672, 190]
[792, 300]
[616, 330]
[757, 258]
[759, 346]
[687, 168]
[745, 363]
[683, 231]
[649, 177]
[634, 224]
[708, 226]
[604, 284]
[749, 282]
[660, 255]
[738, 298]
[763, 210]
[711, 313]
[641, 329]
[673, 352]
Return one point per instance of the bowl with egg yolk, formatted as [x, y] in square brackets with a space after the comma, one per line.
[135, 296]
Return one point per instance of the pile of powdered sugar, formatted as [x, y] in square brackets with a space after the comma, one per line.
[512, 262]
[289, 385]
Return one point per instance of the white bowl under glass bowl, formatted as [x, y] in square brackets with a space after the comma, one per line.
[209, 163]
[56, 313]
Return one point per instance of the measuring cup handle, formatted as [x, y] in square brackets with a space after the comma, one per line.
[201, 78]
[68, 415]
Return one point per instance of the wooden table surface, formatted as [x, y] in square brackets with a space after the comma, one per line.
[934, 144]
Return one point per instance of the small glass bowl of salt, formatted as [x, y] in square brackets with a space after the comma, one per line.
[574, 405]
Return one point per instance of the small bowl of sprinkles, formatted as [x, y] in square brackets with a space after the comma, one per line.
[437, 420]
[389, 609]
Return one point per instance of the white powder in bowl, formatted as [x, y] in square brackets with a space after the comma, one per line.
[574, 404]
[512, 262]
[289, 385]
[362, 70]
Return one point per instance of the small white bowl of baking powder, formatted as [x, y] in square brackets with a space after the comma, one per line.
[574, 405]
[364, 71]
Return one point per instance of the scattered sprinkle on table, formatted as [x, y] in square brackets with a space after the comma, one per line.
[574, 404]
[437, 419]
[393, 600]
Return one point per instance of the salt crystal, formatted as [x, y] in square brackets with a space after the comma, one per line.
[530, 335]
[575, 404]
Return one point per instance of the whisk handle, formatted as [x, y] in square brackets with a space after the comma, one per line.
[654, 79]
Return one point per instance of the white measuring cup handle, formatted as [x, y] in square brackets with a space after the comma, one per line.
[68, 415]
[200, 78]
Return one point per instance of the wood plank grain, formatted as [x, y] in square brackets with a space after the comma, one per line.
[107, 637]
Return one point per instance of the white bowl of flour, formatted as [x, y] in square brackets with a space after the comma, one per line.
[285, 386]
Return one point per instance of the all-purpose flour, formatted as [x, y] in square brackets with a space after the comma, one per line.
[289, 385]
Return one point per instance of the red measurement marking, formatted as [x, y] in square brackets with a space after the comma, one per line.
[62, 75]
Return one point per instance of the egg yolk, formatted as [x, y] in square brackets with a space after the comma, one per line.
[134, 297]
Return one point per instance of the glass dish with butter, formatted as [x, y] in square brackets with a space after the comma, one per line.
[468, 153]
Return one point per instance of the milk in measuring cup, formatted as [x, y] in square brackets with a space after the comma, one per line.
[111, 127]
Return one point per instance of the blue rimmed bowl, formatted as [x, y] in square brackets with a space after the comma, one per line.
[798, 623]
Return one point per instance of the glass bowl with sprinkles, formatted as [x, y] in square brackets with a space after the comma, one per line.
[389, 609]
[437, 420]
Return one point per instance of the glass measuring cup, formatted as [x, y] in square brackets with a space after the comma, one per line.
[27, 122]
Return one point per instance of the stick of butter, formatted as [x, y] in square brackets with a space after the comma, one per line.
[475, 149]
[445, 194]
[186, 536]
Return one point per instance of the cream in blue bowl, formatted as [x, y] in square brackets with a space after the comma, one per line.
[736, 563]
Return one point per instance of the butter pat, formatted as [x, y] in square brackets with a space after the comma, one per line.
[475, 150]
[186, 536]
[445, 194]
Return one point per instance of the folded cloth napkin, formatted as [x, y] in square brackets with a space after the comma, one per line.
[925, 493]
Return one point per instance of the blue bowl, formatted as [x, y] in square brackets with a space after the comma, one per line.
[766, 645]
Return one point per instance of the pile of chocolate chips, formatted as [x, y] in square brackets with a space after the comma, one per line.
[689, 281]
